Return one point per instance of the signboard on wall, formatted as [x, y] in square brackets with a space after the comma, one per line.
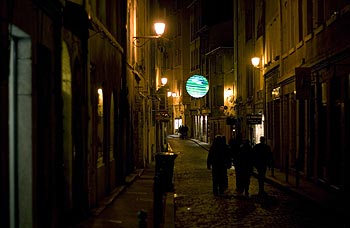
[254, 119]
[303, 82]
[197, 86]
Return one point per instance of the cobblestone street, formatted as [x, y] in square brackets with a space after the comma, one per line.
[196, 206]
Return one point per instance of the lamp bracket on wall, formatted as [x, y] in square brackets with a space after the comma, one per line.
[140, 41]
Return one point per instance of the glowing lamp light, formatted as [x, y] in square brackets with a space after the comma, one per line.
[169, 94]
[159, 27]
[256, 61]
[229, 92]
[164, 81]
[100, 102]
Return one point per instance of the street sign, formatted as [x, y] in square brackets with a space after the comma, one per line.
[254, 119]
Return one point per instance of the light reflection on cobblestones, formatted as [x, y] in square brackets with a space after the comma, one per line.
[196, 206]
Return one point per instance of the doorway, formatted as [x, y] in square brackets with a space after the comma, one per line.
[20, 129]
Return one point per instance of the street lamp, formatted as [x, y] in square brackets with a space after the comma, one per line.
[259, 130]
[163, 81]
[159, 28]
[256, 62]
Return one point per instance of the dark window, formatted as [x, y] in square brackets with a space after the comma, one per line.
[309, 14]
[300, 15]
[249, 20]
[320, 12]
[219, 95]
[261, 22]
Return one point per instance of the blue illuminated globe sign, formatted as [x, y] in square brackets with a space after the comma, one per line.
[197, 86]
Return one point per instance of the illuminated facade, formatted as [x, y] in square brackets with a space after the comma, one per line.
[300, 85]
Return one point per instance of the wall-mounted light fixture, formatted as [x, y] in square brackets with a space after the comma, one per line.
[228, 109]
[164, 81]
[159, 28]
[229, 95]
[228, 92]
[256, 62]
[100, 102]
[276, 93]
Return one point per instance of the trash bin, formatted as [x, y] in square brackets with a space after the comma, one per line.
[164, 171]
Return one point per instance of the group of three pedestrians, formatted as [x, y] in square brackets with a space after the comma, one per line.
[243, 157]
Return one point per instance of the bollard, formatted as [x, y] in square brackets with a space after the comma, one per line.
[163, 183]
[165, 170]
[142, 217]
[157, 202]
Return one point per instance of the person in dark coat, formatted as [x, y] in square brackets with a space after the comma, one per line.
[217, 162]
[234, 145]
[185, 131]
[227, 162]
[262, 160]
[244, 167]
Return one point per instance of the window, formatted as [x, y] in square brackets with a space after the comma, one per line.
[218, 95]
[100, 121]
[261, 20]
[309, 14]
[319, 10]
[249, 20]
[300, 16]
[112, 130]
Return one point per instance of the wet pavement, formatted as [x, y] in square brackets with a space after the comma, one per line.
[121, 209]
[192, 203]
[196, 206]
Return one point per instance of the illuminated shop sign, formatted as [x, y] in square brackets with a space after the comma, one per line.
[197, 86]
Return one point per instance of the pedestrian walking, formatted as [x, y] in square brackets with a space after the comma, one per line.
[217, 162]
[183, 129]
[244, 167]
[227, 162]
[234, 145]
[262, 160]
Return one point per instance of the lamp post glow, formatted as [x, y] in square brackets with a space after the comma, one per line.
[228, 93]
[159, 27]
[255, 62]
[164, 81]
